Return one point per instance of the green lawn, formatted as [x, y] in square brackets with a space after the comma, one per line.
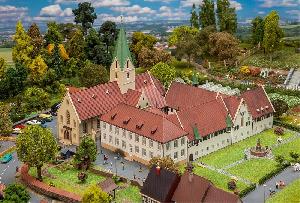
[290, 194]
[285, 149]
[67, 179]
[6, 53]
[253, 169]
[218, 179]
[130, 194]
[235, 152]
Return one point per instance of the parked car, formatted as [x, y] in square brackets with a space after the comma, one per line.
[17, 131]
[6, 158]
[46, 117]
[33, 122]
[20, 126]
[54, 109]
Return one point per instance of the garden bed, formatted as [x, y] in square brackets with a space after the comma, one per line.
[129, 194]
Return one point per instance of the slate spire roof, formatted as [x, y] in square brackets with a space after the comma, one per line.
[122, 52]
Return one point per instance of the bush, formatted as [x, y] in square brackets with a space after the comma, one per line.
[82, 176]
[287, 125]
[272, 173]
[279, 131]
[244, 192]
[231, 185]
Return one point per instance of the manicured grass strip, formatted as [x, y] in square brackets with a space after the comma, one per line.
[235, 152]
[130, 194]
[285, 149]
[288, 194]
[218, 179]
[253, 169]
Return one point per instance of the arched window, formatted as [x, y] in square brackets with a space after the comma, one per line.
[127, 64]
[116, 75]
[116, 64]
[68, 117]
[128, 75]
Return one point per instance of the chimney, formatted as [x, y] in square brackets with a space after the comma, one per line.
[157, 170]
[191, 176]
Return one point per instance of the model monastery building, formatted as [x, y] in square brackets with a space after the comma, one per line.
[135, 114]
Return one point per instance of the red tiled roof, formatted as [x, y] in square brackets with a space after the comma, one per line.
[181, 96]
[73, 89]
[132, 97]
[257, 102]
[191, 188]
[154, 97]
[232, 103]
[156, 111]
[217, 195]
[96, 100]
[208, 118]
[154, 127]
[174, 119]
[145, 80]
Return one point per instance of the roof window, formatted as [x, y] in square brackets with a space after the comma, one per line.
[126, 121]
[107, 91]
[139, 125]
[153, 130]
[145, 81]
[113, 116]
[79, 100]
[94, 96]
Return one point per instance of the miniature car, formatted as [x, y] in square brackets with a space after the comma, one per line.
[17, 131]
[33, 122]
[6, 158]
[46, 117]
[20, 126]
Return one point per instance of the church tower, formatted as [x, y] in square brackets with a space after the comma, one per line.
[122, 69]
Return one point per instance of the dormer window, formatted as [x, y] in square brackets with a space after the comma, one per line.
[113, 116]
[139, 125]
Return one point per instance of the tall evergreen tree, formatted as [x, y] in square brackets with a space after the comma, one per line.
[194, 18]
[207, 14]
[76, 46]
[257, 30]
[227, 19]
[36, 39]
[85, 14]
[53, 35]
[272, 33]
[108, 34]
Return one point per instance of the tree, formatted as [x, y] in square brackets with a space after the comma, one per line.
[108, 34]
[164, 162]
[179, 32]
[5, 121]
[76, 46]
[16, 193]
[280, 107]
[38, 69]
[140, 40]
[279, 159]
[194, 18]
[223, 45]
[23, 48]
[227, 19]
[94, 194]
[2, 67]
[207, 14]
[294, 156]
[272, 33]
[93, 74]
[68, 30]
[163, 72]
[55, 61]
[53, 35]
[36, 99]
[257, 30]
[36, 40]
[149, 57]
[86, 152]
[85, 14]
[202, 38]
[36, 147]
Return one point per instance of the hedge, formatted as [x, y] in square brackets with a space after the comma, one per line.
[286, 125]
[245, 191]
[272, 174]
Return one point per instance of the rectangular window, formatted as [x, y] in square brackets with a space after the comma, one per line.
[116, 130]
[124, 133]
[151, 143]
[158, 146]
[168, 146]
[104, 125]
[175, 155]
[123, 144]
[182, 141]
[144, 152]
[110, 139]
[151, 154]
[116, 141]
[144, 141]
[98, 123]
[175, 143]
[104, 136]
[84, 126]
[182, 152]
[136, 138]
[110, 128]
[130, 135]
[137, 149]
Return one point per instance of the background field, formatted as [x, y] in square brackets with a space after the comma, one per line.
[6, 54]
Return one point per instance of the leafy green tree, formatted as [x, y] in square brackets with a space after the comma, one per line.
[272, 33]
[257, 30]
[108, 34]
[227, 19]
[280, 107]
[53, 35]
[16, 193]
[207, 14]
[23, 47]
[36, 99]
[36, 147]
[76, 46]
[163, 72]
[164, 162]
[93, 74]
[68, 30]
[38, 69]
[55, 61]
[194, 18]
[5, 121]
[2, 67]
[140, 40]
[149, 57]
[71, 68]
[179, 32]
[86, 152]
[224, 46]
[279, 159]
[203, 37]
[94, 194]
[294, 156]
[36, 39]
[85, 14]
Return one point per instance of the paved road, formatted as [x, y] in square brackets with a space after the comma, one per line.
[257, 196]
[4, 145]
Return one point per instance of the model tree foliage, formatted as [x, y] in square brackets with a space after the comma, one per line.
[108, 33]
[179, 32]
[140, 40]
[2, 67]
[36, 147]
[150, 57]
[272, 33]
[95, 195]
[37, 69]
[194, 18]
[5, 121]
[36, 39]
[227, 18]
[15, 193]
[86, 152]
[257, 30]
[76, 46]
[93, 74]
[163, 72]
[85, 15]
[294, 156]
[36, 99]
[280, 107]
[207, 14]
[53, 35]
[164, 162]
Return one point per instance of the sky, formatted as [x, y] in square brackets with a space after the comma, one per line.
[135, 10]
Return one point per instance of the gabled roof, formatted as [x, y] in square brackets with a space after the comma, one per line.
[204, 119]
[96, 100]
[217, 195]
[181, 96]
[146, 80]
[132, 97]
[160, 187]
[155, 98]
[153, 126]
[108, 185]
[257, 102]
[191, 188]
[232, 103]
[122, 52]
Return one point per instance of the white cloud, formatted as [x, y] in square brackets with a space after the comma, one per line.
[98, 3]
[169, 13]
[236, 5]
[261, 12]
[54, 11]
[189, 3]
[132, 10]
[295, 14]
[164, 1]
[117, 19]
[279, 3]
[12, 13]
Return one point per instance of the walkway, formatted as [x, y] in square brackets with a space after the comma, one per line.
[257, 195]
